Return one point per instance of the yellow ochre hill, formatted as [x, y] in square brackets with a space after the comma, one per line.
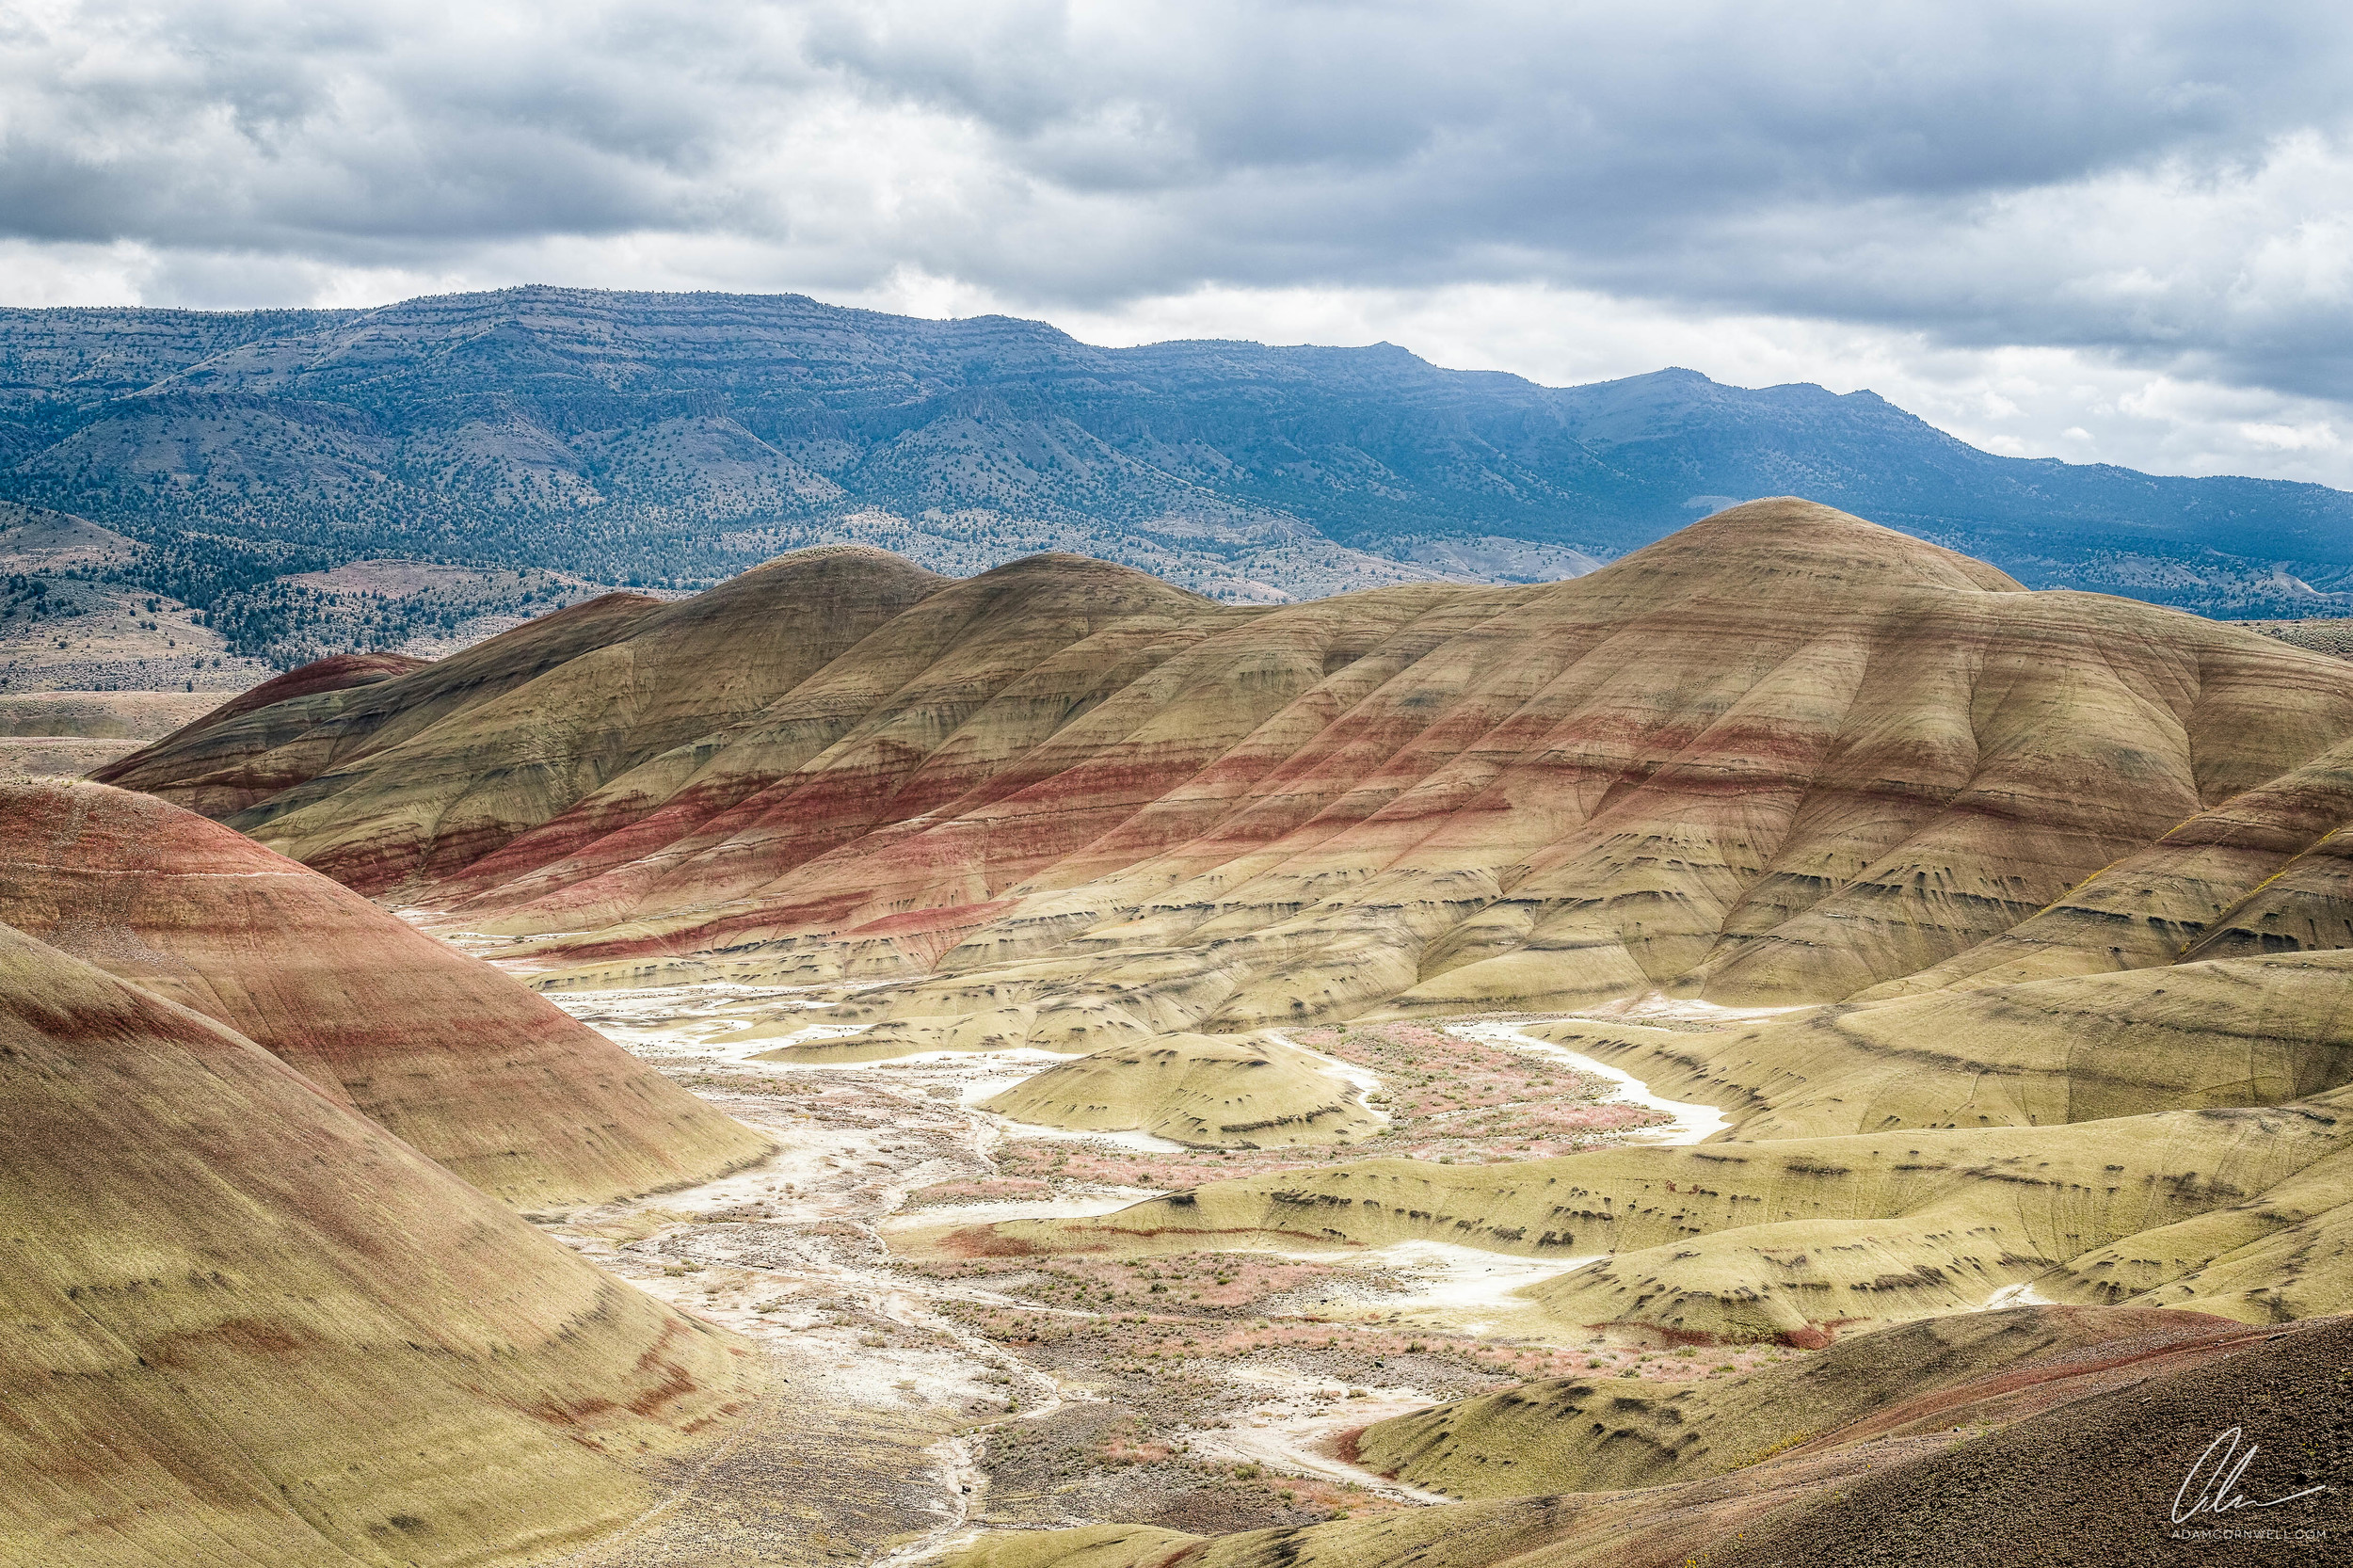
[245, 1324]
[1783, 757]
[1981, 954]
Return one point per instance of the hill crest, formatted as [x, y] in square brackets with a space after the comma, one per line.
[1785, 755]
[1787, 543]
[437, 1048]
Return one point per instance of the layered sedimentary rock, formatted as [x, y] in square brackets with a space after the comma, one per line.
[1195, 1089]
[2046, 887]
[1585, 1435]
[2238, 1031]
[463, 1063]
[2243, 1212]
[2263, 872]
[2024, 1441]
[232, 759]
[240, 1323]
[1783, 757]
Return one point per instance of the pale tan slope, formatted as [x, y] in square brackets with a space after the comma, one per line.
[1198, 1090]
[61, 734]
[2242, 1212]
[1579, 1434]
[2077, 1457]
[2262, 872]
[1785, 756]
[240, 1324]
[243, 755]
[2074, 1049]
[465, 1064]
[2303, 907]
[128, 716]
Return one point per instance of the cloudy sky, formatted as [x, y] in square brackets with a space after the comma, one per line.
[2114, 232]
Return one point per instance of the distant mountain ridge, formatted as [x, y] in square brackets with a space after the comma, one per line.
[677, 439]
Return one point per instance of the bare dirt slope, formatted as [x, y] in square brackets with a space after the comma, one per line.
[243, 1324]
[458, 1060]
[2023, 859]
[132, 718]
[65, 627]
[1785, 756]
[66, 734]
[2100, 1455]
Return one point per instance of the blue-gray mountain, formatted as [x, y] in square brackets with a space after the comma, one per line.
[674, 438]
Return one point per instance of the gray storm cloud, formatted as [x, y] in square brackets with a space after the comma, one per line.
[2166, 182]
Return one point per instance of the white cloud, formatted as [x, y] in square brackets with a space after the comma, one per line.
[39, 275]
[2100, 230]
[2315, 435]
[2025, 401]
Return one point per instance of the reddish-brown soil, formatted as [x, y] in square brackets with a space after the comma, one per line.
[462, 1062]
[245, 1324]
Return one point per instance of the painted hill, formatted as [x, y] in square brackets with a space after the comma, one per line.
[2024, 1441]
[1195, 1090]
[441, 1049]
[336, 674]
[209, 764]
[2027, 901]
[244, 1325]
[1783, 757]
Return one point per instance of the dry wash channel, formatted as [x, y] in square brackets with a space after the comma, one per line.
[1208, 1011]
[1206, 1390]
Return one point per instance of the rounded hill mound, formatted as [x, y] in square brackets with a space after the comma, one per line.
[246, 1324]
[468, 1066]
[1785, 757]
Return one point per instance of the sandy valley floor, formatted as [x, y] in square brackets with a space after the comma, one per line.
[916, 1403]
